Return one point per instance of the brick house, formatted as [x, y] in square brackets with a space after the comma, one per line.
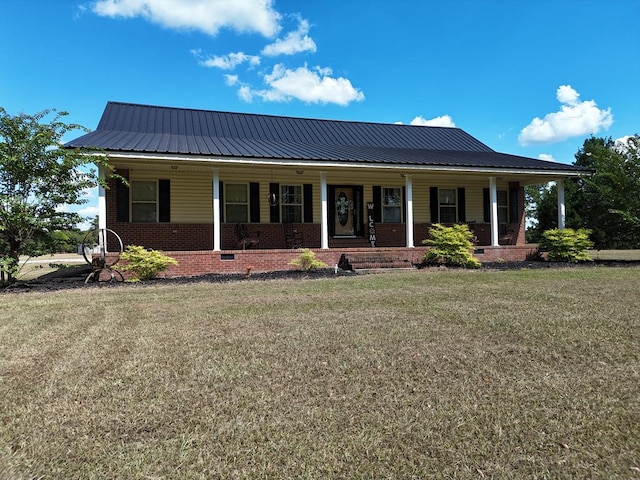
[220, 190]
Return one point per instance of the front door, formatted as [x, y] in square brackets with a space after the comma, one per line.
[344, 212]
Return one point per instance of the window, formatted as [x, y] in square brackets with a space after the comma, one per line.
[236, 203]
[391, 205]
[291, 202]
[448, 205]
[144, 201]
[503, 207]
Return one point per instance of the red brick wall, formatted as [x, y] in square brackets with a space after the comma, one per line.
[237, 261]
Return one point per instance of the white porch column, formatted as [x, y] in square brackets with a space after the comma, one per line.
[493, 199]
[408, 182]
[102, 200]
[102, 208]
[216, 211]
[324, 227]
[562, 214]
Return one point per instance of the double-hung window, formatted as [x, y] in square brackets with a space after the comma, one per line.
[144, 201]
[447, 202]
[236, 203]
[391, 205]
[291, 203]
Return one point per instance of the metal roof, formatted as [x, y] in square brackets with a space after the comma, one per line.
[133, 128]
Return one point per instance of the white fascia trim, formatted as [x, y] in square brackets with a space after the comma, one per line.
[327, 164]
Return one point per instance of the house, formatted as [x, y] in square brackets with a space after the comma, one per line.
[223, 190]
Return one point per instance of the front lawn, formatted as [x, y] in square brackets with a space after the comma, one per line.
[425, 374]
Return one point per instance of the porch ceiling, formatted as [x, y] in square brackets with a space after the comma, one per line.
[258, 167]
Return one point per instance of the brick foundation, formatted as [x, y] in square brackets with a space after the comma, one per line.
[194, 263]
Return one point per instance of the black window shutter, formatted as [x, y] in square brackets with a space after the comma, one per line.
[462, 206]
[221, 200]
[274, 210]
[164, 201]
[331, 207]
[404, 200]
[513, 205]
[377, 203]
[122, 202]
[434, 204]
[486, 205]
[307, 200]
[358, 224]
[254, 202]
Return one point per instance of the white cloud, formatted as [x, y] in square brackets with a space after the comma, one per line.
[575, 118]
[91, 211]
[294, 42]
[441, 121]
[245, 94]
[207, 16]
[628, 144]
[227, 62]
[308, 85]
[547, 157]
[231, 80]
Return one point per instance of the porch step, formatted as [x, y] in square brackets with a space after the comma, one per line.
[372, 261]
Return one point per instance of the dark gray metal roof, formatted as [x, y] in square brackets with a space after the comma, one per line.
[126, 127]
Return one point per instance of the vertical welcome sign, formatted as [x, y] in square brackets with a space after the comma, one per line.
[371, 225]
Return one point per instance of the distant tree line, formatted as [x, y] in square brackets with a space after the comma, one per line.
[607, 202]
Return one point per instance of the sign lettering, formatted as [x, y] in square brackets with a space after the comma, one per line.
[372, 225]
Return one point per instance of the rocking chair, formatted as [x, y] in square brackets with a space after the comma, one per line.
[246, 239]
[292, 237]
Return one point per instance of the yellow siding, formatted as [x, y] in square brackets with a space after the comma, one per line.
[192, 192]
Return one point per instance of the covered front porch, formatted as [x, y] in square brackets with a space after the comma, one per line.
[262, 217]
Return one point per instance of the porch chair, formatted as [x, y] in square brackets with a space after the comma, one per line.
[472, 228]
[246, 239]
[292, 237]
[507, 236]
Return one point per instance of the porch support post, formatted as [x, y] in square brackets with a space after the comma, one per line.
[562, 214]
[493, 198]
[102, 207]
[324, 227]
[408, 181]
[216, 211]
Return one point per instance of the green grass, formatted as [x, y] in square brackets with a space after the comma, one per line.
[429, 374]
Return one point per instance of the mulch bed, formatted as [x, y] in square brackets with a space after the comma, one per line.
[74, 277]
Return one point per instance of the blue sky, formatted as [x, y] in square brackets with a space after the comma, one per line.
[532, 78]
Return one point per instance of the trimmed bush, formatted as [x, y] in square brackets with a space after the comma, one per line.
[450, 246]
[307, 261]
[145, 264]
[567, 245]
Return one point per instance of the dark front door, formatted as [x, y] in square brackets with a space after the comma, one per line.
[345, 212]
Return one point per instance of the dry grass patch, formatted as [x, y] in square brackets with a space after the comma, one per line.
[455, 374]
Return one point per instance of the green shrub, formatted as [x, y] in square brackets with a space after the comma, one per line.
[143, 263]
[450, 246]
[307, 261]
[567, 245]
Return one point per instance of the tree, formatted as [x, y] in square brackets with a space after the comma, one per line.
[607, 202]
[37, 177]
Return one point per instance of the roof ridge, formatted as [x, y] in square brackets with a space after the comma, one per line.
[291, 117]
